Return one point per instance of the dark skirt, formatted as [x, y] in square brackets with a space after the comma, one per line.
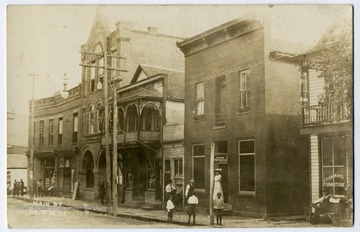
[218, 212]
[191, 209]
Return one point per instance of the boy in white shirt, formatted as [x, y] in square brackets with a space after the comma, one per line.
[170, 209]
[192, 202]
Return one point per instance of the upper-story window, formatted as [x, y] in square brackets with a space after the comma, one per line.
[60, 131]
[75, 127]
[92, 78]
[200, 100]
[220, 101]
[42, 135]
[100, 119]
[51, 132]
[91, 120]
[244, 91]
[304, 86]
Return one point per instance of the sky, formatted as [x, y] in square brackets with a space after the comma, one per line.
[45, 40]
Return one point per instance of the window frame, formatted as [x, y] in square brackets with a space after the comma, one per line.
[242, 192]
[75, 127]
[51, 132]
[60, 129]
[244, 89]
[199, 100]
[42, 133]
[193, 166]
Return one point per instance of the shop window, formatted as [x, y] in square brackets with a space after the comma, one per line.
[178, 171]
[60, 131]
[247, 166]
[42, 135]
[199, 166]
[334, 165]
[200, 100]
[244, 91]
[51, 132]
[167, 171]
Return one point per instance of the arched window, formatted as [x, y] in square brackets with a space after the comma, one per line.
[100, 112]
[91, 120]
[131, 119]
[150, 118]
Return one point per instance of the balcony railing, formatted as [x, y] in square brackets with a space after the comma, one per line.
[133, 136]
[331, 112]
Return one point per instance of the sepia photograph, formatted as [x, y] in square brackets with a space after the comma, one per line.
[179, 116]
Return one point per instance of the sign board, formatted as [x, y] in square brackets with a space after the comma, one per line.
[221, 159]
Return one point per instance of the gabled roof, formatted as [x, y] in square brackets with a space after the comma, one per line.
[174, 78]
[140, 93]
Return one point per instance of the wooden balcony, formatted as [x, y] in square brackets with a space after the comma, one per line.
[134, 136]
[326, 113]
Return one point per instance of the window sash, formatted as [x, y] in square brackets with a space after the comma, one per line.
[199, 98]
[244, 89]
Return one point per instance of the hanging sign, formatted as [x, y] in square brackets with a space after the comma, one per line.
[221, 159]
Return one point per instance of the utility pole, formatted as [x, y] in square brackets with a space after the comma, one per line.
[107, 149]
[31, 163]
[114, 145]
[111, 183]
[211, 183]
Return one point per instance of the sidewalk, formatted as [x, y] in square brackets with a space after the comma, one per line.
[180, 217]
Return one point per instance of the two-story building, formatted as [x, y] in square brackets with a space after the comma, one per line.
[327, 121]
[241, 93]
[56, 141]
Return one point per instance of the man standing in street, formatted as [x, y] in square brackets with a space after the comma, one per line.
[189, 189]
[22, 187]
[15, 190]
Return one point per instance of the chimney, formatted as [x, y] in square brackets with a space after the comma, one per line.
[152, 30]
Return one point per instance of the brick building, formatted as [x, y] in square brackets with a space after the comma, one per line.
[150, 105]
[242, 94]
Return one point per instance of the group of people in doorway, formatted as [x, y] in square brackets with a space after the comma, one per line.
[174, 199]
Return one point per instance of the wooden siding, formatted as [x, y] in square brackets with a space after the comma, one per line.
[316, 86]
[314, 163]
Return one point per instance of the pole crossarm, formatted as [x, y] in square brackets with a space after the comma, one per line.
[101, 54]
[103, 67]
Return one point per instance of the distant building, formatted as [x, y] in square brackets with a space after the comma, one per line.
[242, 94]
[16, 165]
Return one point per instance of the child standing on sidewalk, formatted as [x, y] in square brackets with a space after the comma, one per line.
[218, 208]
[170, 209]
[192, 202]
